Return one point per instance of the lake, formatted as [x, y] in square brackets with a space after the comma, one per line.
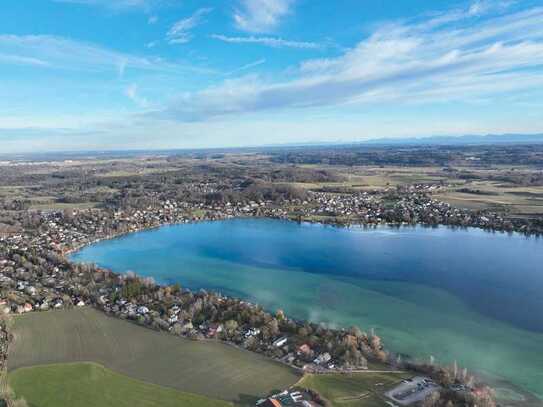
[456, 294]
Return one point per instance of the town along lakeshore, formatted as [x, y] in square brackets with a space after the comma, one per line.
[427, 291]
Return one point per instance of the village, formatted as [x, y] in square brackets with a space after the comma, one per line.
[35, 275]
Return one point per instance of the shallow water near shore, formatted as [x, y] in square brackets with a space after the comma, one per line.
[457, 294]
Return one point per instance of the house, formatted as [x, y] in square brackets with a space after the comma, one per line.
[252, 332]
[280, 342]
[304, 349]
[214, 329]
[142, 310]
[174, 310]
[323, 358]
[31, 290]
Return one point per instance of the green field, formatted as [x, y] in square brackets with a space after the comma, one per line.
[357, 389]
[92, 385]
[211, 369]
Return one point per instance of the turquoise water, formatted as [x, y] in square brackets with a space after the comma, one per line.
[456, 294]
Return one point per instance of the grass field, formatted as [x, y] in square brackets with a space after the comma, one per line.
[92, 385]
[519, 200]
[58, 206]
[212, 369]
[372, 178]
[357, 389]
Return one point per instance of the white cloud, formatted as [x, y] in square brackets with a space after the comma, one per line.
[54, 52]
[132, 93]
[477, 7]
[59, 52]
[480, 7]
[180, 32]
[261, 15]
[405, 63]
[247, 66]
[21, 60]
[152, 20]
[268, 41]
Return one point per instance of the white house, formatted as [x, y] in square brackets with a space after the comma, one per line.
[280, 342]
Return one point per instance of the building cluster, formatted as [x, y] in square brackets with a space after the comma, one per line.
[35, 275]
[400, 207]
[292, 398]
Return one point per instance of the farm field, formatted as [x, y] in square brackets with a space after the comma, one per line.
[357, 389]
[374, 178]
[478, 193]
[211, 369]
[518, 200]
[92, 385]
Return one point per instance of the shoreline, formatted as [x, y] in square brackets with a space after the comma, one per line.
[362, 226]
[339, 225]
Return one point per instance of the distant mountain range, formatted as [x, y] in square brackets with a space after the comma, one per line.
[461, 140]
[408, 141]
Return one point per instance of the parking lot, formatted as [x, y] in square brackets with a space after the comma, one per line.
[412, 390]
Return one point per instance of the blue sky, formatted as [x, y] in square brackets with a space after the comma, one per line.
[119, 74]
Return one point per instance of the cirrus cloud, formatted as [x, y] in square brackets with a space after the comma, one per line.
[261, 15]
[54, 52]
[180, 32]
[268, 41]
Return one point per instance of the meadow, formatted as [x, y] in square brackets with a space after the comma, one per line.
[92, 385]
[357, 389]
[211, 369]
